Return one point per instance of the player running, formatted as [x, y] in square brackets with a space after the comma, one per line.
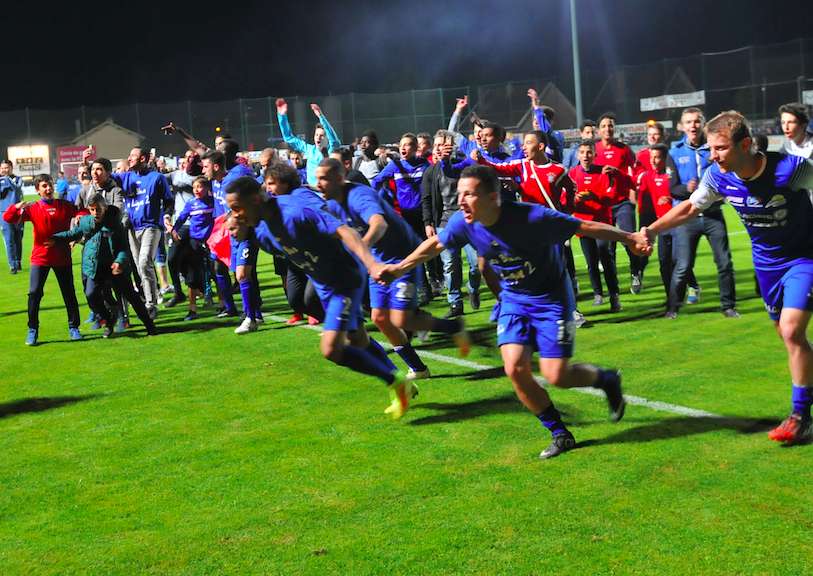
[769, 192]
[523, 244]
[391, 239]
[323, 247]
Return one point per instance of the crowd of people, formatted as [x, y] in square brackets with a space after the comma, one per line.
[366, 227]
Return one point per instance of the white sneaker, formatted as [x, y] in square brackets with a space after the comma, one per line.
[248, 325]
[418, 375]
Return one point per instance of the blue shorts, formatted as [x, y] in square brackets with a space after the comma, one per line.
[400, 295]
[548, 329]
[243, 253]
[788, 287]
[342, 311]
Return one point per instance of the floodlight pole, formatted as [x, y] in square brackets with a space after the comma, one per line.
[577, 79]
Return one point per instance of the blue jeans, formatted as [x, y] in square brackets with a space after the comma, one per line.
[684, 246]
[13, 238]
[453, 273]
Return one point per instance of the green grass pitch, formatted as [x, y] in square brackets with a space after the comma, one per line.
[203, 452]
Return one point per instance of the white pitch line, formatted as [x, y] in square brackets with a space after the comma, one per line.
[633, 400]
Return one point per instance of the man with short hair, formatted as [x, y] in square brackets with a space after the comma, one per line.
[325, 139]
[617, 161]
[439, 203]
[345, 156]
[522, 243]
[147, 195]
[394, 308]
[327, 250]
[591, 200]
[424, 146]
[542, 182]
[655, 134]
[367, 161]
[587, 131]
[769, 192]
[543, 121]
[795, 122]
[654, 200]
[691, 159]
[11, 192]
[280, 180]
[267, 157]
[48, 215]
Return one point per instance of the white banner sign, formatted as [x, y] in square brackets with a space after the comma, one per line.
[807, 97]
[30, 160]
[673, 101]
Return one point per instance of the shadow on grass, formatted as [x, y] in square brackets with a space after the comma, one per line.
[682, 427]
[29, 405]
[502, 404]
[25, 311]
[489, 374]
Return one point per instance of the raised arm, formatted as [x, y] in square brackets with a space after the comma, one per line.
[293, 141]
[333, 141]
[193, 143]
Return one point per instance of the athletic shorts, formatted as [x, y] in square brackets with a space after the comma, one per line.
[243, 253]
[547, 329]
[788, 287]
[342, 310]
[400, 295]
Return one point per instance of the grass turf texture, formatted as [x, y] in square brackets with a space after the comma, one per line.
[203, 452]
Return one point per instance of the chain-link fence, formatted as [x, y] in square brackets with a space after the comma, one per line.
[754, 80]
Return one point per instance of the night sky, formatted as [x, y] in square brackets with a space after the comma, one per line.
[88, 53]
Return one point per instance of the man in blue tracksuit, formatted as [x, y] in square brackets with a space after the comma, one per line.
[324, 136]
[147, 195]
[11, 192]
[691, 158]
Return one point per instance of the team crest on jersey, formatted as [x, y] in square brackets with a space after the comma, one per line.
[551, 178]
[776, 201]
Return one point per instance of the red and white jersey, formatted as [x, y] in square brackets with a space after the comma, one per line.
[595, 206]
[654, 193]
[539, 183]
[619, 156]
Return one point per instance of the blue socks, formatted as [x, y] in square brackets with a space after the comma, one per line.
[802, 398]
[378, 351]
[362, 361]
[224, 288]
[408, 355]
[552, 420]
[249, 300]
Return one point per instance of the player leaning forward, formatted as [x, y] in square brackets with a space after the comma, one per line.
[523, 244]
[769, 192]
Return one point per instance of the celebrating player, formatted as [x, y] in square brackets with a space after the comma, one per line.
[523, 244]
[769, 192]
[323, 247]
[394, 308]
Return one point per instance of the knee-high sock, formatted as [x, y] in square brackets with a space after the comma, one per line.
[362, 361]
[224, 287]
[378, 351]
[408, 355]
[249, 300]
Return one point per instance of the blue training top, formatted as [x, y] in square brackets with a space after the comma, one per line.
[774, 207]
[524, 247]
[307, 238]
[360, 204]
